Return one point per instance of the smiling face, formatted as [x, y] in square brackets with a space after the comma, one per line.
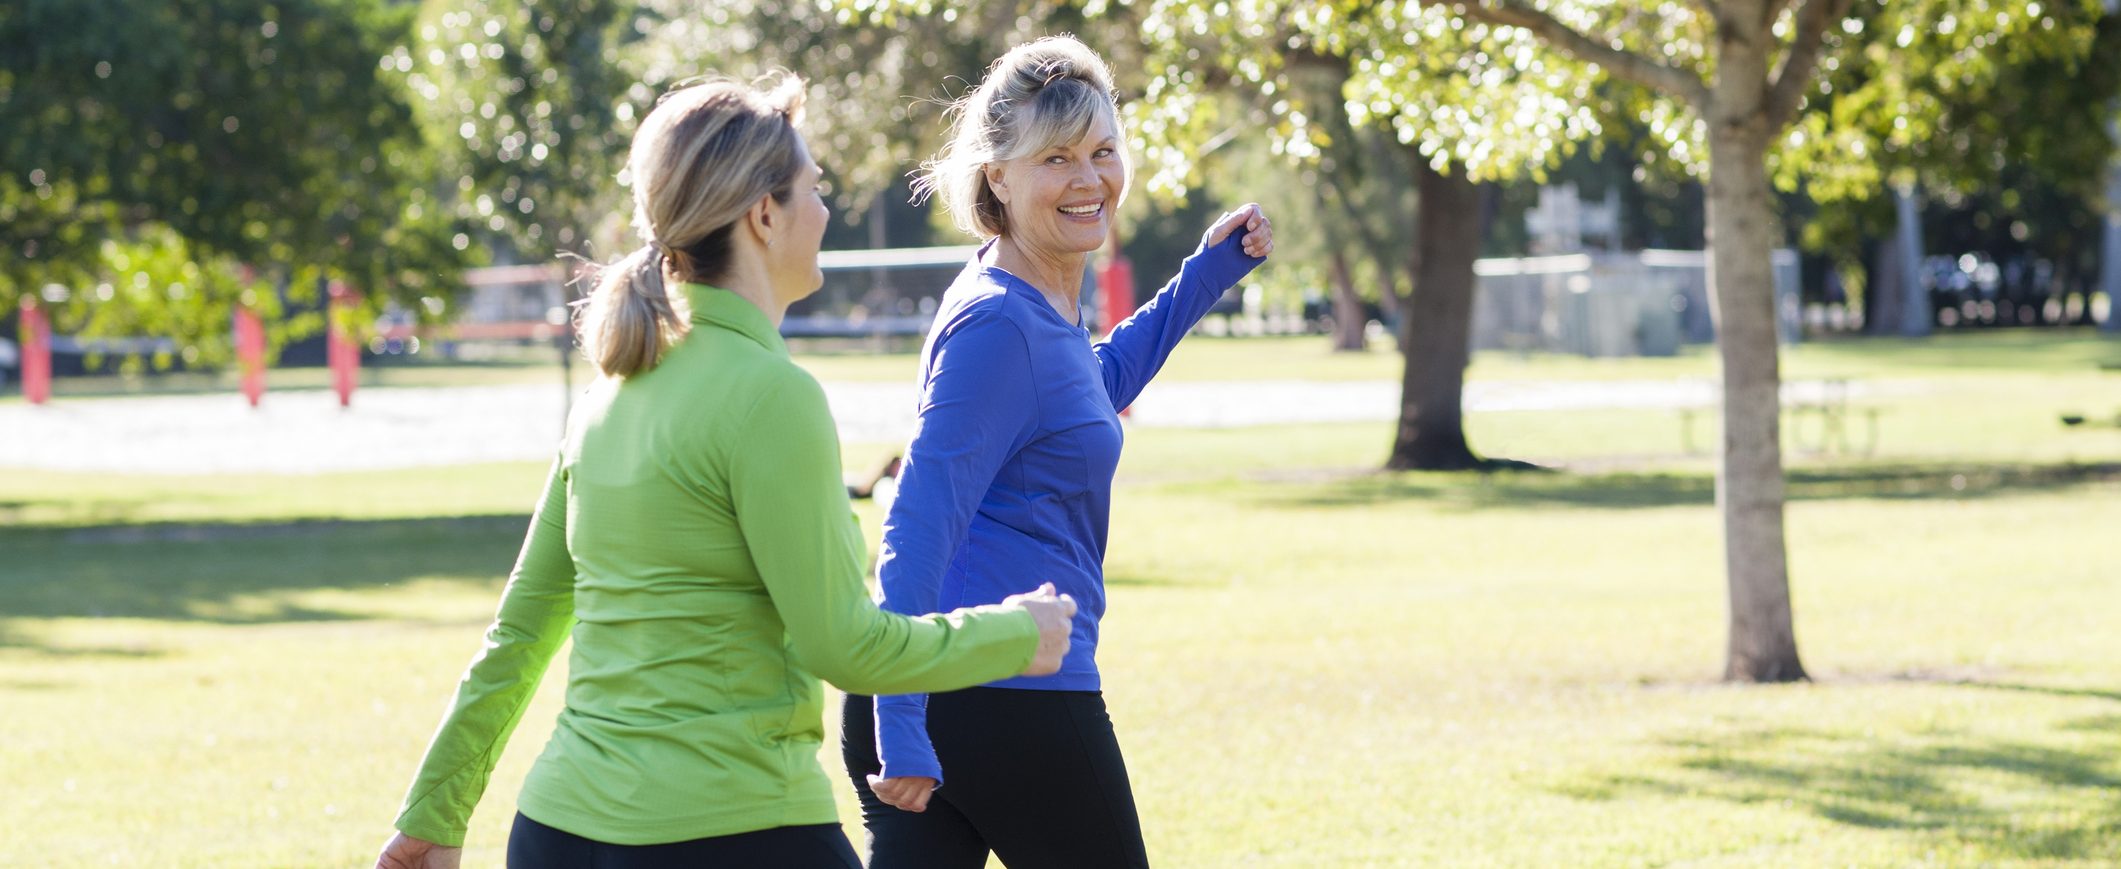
[1060, 200]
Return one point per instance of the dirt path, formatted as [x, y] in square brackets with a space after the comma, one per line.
[307, 432]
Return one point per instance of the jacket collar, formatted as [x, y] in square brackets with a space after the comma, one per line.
[714, 306]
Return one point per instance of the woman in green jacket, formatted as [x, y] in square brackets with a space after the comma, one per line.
[695, 539]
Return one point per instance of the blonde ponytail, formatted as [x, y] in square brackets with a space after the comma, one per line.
[630, 318]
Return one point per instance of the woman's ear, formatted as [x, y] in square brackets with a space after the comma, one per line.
[997, 181]
[763, 220]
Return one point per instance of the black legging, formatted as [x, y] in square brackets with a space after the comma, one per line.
[532, 845]
[1034, 776]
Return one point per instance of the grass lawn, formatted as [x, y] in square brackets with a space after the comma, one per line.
[1309, 664]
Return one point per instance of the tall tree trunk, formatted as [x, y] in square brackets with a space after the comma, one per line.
[1436, 323]
[1749, 480]
[1391, 303]
[2110, 237]
[1350, 320]
[1882, 297]
[1916, 311]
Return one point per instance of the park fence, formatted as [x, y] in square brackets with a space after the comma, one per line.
[1640, 303]
[877, 293]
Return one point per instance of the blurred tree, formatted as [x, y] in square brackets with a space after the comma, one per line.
[537, 104]
[877, 84]
[544, 96]
[1365, 202]
[152, 147]
[2012, 136]
[1352, 204]
[1378, 105]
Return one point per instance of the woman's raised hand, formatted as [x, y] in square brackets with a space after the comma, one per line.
[1055, 614]
[1259, 231]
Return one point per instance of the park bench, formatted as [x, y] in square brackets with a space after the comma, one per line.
[1828, 408]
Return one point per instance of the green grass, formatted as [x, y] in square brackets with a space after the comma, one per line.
[1309, 664]
[60, 498]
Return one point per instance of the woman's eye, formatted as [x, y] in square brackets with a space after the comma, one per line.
[1103, 153]
[1056, 160]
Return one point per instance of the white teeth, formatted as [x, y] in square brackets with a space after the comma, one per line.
[1083, 209]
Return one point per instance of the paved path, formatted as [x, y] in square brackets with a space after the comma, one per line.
[307, 432]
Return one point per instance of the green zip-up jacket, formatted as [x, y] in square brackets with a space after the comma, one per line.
[695, 536]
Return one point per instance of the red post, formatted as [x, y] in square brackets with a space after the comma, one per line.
[339, 347]
[36, 354]
[1115, 290]
[250, 353]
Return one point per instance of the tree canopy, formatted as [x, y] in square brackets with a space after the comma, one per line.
[154, 147]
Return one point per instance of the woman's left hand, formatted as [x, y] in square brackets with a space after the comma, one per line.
[1259, 231]
[906, 793]
[406, 852]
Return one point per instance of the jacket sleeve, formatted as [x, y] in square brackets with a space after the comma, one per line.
[978, 407]
[535, 614]
[1138, 346]
[791, 507]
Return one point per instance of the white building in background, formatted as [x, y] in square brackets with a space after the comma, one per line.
[1641, 303]
[1571, 298]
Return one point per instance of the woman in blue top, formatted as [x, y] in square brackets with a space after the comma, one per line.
[1009, 474]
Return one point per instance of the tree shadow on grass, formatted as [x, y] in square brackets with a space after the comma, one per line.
[41, 511]
[2006, 799]
[1644, 490]
[24, 634]
[230, 573]
[2050, 690]
[1130, 581]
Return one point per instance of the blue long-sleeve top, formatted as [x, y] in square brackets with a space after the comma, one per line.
[1007, 482]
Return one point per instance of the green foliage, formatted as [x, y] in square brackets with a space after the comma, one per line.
[1951, 94]
[1358, 190]
[540, 100]
[533, 109]
[163, 286]
[2009, 126]
[1489, 100]
[1504, 103]
[880, 75]
[153, 146]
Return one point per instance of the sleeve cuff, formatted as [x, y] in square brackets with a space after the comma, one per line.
[440, 835]
[1227, 262]
[902, 740]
